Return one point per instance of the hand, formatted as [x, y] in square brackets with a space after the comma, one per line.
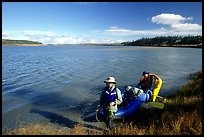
[98, 107]
[112, 103]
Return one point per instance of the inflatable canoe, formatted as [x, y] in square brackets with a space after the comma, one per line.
[131, 106]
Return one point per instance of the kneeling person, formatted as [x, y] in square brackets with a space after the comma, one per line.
[131, 93]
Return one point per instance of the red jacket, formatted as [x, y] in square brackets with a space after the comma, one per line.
[146, 83]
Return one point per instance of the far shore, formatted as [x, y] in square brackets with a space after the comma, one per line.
[24, 44]
[181, 46]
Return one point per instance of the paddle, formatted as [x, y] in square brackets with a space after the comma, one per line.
[152, 105]
[161, 99]
[156, 104]
[159, 103]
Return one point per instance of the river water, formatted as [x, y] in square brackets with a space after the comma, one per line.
[60, 84]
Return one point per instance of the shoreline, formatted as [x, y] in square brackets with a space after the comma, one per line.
[24, 44]
[179, 46]
[176, 46]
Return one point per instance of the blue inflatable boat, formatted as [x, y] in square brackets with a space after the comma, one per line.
[131, 106]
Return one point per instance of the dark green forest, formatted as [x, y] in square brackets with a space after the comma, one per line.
[166, 41]
[7, 41]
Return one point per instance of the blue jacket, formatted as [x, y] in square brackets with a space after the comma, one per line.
[111, 95]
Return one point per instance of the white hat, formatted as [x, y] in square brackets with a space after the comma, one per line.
[110, 80]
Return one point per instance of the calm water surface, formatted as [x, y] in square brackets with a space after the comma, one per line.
[61, 84]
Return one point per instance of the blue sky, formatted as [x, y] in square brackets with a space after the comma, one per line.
[98, 22]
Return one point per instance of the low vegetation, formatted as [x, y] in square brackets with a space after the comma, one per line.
[182, 115]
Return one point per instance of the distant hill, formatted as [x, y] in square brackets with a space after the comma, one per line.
[194, 41]
[8, 41]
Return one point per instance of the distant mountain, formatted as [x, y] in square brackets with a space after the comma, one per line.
[8, 41]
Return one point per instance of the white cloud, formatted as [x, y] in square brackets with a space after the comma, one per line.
[128, 32]
[14, 35]
[174, 25]
[81, 40]
[114, 27]
[5, 35]
[39, 33]
[189, 18]
[177, 29]
[105, 41]
[48, 37]
[96, 31]
[169, 19]
[186, 27]
[119, 31]
[177, 24]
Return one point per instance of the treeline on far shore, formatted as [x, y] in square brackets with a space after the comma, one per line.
[167, 41]
[162, 41]
[10, 42]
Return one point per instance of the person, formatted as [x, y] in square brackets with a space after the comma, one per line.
[150, 82]
[131, 93]
[109, 100]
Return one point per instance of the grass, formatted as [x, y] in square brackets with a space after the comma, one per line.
[50, 129]
[182, 115]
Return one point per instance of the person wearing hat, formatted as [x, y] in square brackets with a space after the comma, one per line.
[150, 82]
[110, 98]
